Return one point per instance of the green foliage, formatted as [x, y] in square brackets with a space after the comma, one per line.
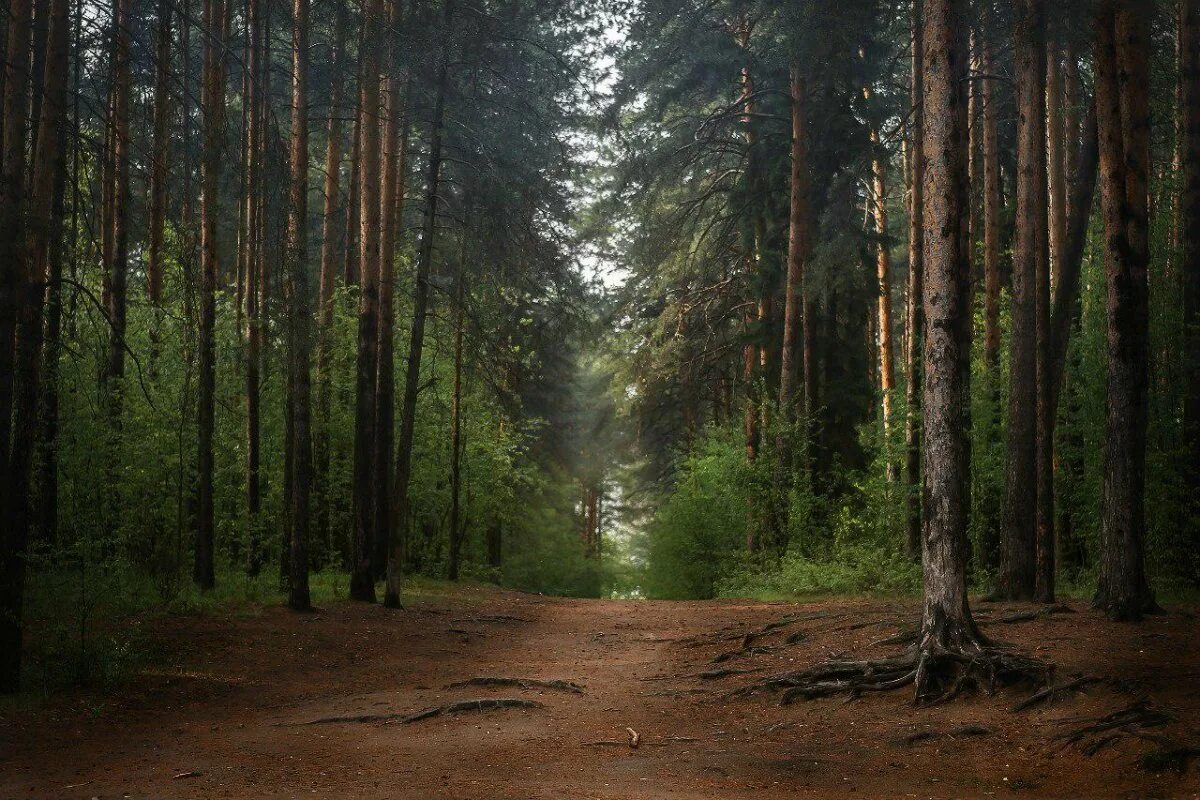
[697, 540]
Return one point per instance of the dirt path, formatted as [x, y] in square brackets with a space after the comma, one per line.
[231, 710]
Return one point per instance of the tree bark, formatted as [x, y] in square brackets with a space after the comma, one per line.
[385, 378]
[791, 352]
[416, 339]
[799, 244]
[252, 270]
[12, 201]
[946, 623]
[300, 319]
[883, 270]
[214, 115]
[328, 280]
[1189, 231]
[1122, 81]
[456, 426]
[159, 167]
[1017, 579]
[44, 227]
[118, 265]
[916, 270]
[362, 583]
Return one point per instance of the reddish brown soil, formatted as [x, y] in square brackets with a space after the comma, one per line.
[230, 706]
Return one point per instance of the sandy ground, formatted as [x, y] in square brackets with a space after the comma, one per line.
[228, 713]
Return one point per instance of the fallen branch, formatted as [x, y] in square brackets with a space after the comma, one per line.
[520, 683]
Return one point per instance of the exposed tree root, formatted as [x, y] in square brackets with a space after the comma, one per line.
[484, 704]
[1105, 730]
[463, 706]
[1037, 613]
[1168, 756]
[495, 619]
[961, 732]
[520, 683]
[752, 650]
[363, 718]
[908, 636]
[714, 674]
[935, 673]
[1049, 692]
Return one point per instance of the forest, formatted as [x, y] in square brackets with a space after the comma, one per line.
[632, 374]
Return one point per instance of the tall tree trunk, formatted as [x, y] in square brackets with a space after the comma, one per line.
[456, 425]
[300, 319]
[12, 200]
[251, 268]
[883, 272]
[416, 339]
[946, 623]
[750, 356]
[362, 583]
[118, 268]
[214, 119]
[916, 270]
[799, 244]
[791, 353]
[1122, 81]
[328, 282]
[1189, 228]
[1019, 546]
[353, 201]
[159, 171]
[44, 226]
[385, 377]
[1048, 266]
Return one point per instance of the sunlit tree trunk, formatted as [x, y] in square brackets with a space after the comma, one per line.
[1048, 266]
[300, 318]
[385, 378]
[883, 270]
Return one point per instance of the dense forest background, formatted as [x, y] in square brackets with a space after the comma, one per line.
[590, 298]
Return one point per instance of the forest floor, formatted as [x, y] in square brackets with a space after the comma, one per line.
[230, 707]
